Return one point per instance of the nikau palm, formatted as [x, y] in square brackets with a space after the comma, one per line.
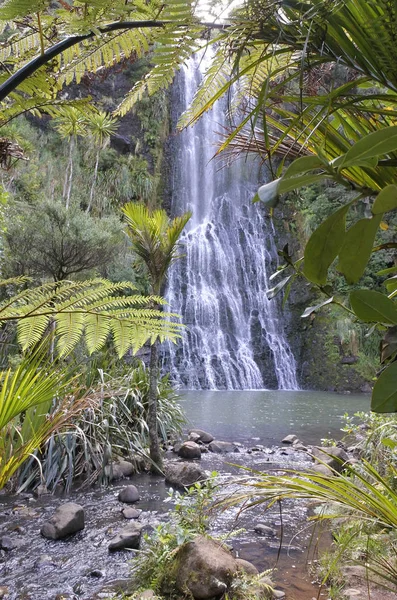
[155, 240]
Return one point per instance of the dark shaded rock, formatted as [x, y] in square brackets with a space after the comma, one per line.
[129, 494]
[246, 567]
[263, 529]
[189, 450]
[222, 447]
[97, 573]
[67, 519]
[182, 474]
[130, 513]
[290, 439]
[128, 537]
[332, 456]
[7, 543]
[203, 435]
[204, 568]
[349, 360]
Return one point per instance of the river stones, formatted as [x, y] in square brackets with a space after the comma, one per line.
[67, 519]
[222, 447]
[203, 436]
[332, 456]
[290, 439]
[129, 494]
[183, 474]
[204, 568]
[189, 450]
[3, 591]
[263, 529]
[8, 543]
[246, 567]
[130, 513]
[128, 537]
[126, 467]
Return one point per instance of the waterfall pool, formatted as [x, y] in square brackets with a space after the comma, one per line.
[81, 567]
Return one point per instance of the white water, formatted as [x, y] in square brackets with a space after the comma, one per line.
[234, 337]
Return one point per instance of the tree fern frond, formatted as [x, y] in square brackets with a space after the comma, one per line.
[22, 8]
[31, 330]
[97, 331]
[123, 335]
[174, 47]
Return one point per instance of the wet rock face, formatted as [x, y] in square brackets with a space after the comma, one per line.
[67, 519]
[182, 474]
[189, 450]
[204, 568]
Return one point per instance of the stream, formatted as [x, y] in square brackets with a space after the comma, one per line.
[81, 567]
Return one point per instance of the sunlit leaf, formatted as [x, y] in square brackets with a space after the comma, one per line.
[384, 395]
[371, 306]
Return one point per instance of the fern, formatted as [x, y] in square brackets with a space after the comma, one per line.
[22, 8]
[90, 310]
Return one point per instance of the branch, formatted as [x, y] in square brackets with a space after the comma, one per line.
[17, 78]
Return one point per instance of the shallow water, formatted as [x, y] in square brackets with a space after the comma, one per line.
[248, 418]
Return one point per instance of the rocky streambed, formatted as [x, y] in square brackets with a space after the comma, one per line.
[92, 564]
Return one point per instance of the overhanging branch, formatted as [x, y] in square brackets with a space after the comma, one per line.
[17, 78]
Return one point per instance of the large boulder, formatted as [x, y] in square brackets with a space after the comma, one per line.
[332, 456]
[129, 494]
[203, 436]
[204, 568]
[182, 474]
[67, 519]
[222, 447]
[189, 450]
[128, 537]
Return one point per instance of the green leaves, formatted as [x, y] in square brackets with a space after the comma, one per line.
[371, 146]
[373, 307]
[386, 200]
[384, 395]
[357, 247]
[324, 245]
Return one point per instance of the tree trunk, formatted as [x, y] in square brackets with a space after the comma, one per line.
[154, 445]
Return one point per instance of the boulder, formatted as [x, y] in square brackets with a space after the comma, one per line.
[130, 513]
[222, 447]
[332, 456]
[7, 543]
[129, 494]
[204, 568]
[189, 450]
[263, 529]
[176, 447]
[204, 437]
[182, 474]
[128, 537]
[289, 439]
[194, 437]
[3, 591]
[115, 472]
[67, 519]
[323, 470]
[246, 567]
[278, 594]
[126, 467]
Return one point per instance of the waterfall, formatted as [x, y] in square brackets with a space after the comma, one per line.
[234, 335]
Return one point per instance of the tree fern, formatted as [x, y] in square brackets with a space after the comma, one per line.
[89, 310]
[22, 8]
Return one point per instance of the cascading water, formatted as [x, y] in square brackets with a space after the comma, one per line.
[234, 335]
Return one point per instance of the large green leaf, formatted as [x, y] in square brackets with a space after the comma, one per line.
[388, 346]
[303, 165]
[384, 395]
[357, 247]
[373, 307]
[374, 144]
[324, 246]
[385, 200]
